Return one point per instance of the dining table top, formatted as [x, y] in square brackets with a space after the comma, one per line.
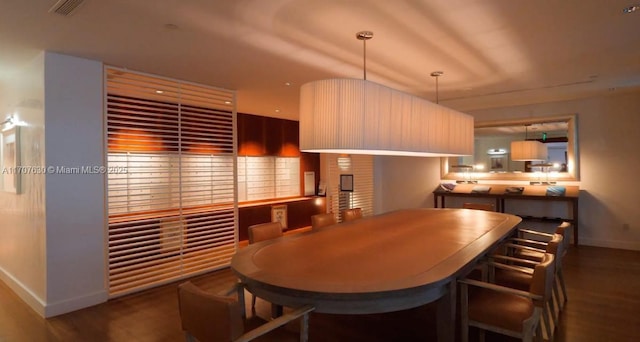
[404, 257]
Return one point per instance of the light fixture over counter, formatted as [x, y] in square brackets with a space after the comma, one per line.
[352, 116]
[528, 150]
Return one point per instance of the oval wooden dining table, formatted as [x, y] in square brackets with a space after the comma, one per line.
[388, 262]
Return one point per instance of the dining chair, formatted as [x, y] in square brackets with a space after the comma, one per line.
[351, 214]
[506, 310]
[206, 317]
[522, 281]
[322, 220]
[479, 206]
[542, 238]
[262, 232]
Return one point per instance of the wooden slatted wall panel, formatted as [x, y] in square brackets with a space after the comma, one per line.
[173, 211]
[361, 167]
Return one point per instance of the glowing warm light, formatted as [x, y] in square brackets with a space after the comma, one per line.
[353, 116]
[528, 150]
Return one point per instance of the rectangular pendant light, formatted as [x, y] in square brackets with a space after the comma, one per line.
[528, 150]
[354, 116]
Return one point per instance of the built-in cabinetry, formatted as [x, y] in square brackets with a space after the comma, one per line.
[268, 157]
[299, 212]
[504, 194]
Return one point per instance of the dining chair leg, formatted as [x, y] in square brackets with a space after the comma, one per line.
[276, 310]
[560, 277]
[481, 335]
[304, 328]
[253, 303]
[464, 313]
[240, 292]
[539, 337]
[547, 324]
[552, 309]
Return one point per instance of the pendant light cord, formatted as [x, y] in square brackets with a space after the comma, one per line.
[364, 36]
[435, 75]
[364, 54]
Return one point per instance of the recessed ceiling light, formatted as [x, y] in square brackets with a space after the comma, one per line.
[227, 102]
[287, 83]
[631, 9]
[277, 110]
[159, 91]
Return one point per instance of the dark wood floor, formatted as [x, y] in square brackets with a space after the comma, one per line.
[604, 305]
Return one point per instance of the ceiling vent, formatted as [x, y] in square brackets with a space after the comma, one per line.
[66, 7]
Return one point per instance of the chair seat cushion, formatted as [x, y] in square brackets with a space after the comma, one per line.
[506, 311]
[513, 279]
[529, 255]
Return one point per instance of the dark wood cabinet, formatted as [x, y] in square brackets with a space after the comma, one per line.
[252, 135]
[263, 136]
[299, 214]
[290, 134]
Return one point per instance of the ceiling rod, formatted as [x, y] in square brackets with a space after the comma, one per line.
[437, 74]
[364, 36]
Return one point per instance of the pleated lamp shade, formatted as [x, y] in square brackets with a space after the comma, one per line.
[353, 116]
[528, 150]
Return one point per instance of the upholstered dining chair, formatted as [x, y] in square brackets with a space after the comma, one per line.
[351, 214]
[479, 206]
[522, 281]
[541, 240]
[262, 232]
[319, 221]
[505, 310]
[206, 317]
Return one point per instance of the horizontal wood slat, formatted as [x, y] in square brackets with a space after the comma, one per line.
[173, 207]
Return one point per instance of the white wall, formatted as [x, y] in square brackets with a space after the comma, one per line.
[404, 182]
[75, 211]
[52, 250]
[607, 141]
[22, 229]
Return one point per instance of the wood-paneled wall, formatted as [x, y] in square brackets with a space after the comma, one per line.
[264, 136]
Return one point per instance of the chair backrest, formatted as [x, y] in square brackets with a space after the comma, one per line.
[209, 317]
[543, 278]
[351, 214]
[322, 220]
[479, 206]
[563, 229]
[556, 246]
[264, 231]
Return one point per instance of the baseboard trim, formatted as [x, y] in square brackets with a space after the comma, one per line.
[47, 310]
[75, 303]
[630, 245]
[35, 302]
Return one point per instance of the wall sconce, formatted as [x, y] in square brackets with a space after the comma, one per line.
[9, 122]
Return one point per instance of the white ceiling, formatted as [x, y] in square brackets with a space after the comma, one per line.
[493, 52]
